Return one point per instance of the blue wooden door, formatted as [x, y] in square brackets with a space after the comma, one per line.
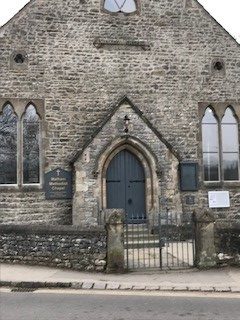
[126, 185]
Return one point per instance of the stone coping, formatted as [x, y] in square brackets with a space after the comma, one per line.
[222, 224]
[51, 229]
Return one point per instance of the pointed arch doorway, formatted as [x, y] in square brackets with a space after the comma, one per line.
[125, 183]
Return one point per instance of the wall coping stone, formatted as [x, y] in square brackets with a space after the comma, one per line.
[222, 224]
[206, 217]
[53, 229]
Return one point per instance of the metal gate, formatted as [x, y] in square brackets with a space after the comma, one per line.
[164, 241]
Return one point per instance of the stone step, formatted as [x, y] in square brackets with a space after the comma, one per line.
[137, 226]
[141, 245]
[141, 237]
[137, 231]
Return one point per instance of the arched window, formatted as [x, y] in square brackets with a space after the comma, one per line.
[31, 141]
[126, 6]
[220, 146]
[210, 144]
[8, 146]
[230, 146]
[20, 142]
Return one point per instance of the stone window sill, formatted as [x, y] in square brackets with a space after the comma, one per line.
[24, 188]
[222, 185]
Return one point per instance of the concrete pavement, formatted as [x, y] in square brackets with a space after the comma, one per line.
[217, 280]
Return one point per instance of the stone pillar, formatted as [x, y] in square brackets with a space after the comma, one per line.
[205, 244]
[115, 240]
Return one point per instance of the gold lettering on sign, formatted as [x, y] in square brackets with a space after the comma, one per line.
[58, 184]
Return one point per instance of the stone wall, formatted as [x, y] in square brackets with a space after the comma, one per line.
[227, 237]
[58, 246]
[31, 207]
[81, 61]
[159, 163]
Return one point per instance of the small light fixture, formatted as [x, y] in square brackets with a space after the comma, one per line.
[126, 124]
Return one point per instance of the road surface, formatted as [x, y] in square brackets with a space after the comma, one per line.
[64, 305]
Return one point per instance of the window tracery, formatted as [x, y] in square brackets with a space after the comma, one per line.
[20, 141]
[220, 146]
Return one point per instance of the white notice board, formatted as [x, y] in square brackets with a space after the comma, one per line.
[218, 199]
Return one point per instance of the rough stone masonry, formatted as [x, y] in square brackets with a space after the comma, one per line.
[84, 69]
[62, 247]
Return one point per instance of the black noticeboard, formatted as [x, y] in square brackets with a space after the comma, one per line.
[188, 176]
[58, 184]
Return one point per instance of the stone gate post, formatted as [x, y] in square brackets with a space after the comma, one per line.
[115, 240]
[205, 244]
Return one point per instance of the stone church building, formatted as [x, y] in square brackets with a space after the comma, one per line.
[131, 104]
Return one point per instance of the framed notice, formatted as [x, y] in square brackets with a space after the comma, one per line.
[218, 199]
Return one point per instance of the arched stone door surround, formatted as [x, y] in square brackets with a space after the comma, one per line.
[148, 162]
[157, 157]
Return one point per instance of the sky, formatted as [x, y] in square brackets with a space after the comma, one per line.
[226, 12]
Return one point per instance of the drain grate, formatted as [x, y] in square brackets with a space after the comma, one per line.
[23, 290]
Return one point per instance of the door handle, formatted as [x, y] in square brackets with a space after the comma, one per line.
[129, 201]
